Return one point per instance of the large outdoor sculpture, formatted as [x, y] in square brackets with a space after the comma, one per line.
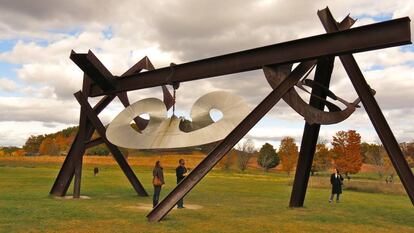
[164, 133]
[276, 61]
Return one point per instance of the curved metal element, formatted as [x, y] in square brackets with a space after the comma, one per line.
[276, 75]
[163, 132]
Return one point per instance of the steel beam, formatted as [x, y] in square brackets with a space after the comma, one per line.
[229, 142]
[93, 68]
[374, 112]
[310, 134]
[117, 154]
[83, 122]
[94, 142]
[66, 172]
[393, 33]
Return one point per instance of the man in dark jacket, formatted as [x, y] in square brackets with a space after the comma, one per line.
[336, 182]
[181, 173]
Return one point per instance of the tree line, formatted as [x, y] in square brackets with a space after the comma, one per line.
[345, 152]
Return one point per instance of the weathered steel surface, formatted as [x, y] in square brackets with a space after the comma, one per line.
[96, 71]
[393, 33]
[310, 134]
[311, 114]
[229, 142]
[94, 142]
[117, 154]
[73, 160]
[374, 112]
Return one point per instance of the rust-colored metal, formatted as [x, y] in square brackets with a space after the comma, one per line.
[374, 111]
[320, 48]
[117, 154]
[393, 33]
[229, 142]
[310, 134]
[94, 142]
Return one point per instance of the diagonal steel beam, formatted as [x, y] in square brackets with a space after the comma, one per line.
[393, 33]
[117, 154]
[66, 172]
[374, 112]
[311, 131]
[310, 134]
[229, 142]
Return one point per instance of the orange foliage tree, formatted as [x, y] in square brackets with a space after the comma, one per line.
[18, 153]
[288, 153]
[322, 159]
[347, 151]
[49, 147]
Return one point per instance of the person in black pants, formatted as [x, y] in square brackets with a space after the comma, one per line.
[336, 182]
[181, 173]
[158, 181]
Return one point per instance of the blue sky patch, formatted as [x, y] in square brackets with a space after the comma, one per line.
[378, 18]
[108, 33]
[7, 45]
[8, 70]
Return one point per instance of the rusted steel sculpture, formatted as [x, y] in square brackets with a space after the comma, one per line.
[275, 60]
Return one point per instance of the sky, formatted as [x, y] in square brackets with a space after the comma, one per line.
[37, 78]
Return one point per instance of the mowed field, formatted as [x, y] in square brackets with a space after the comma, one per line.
[225, 201]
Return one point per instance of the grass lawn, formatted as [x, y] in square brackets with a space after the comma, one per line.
[230, 201]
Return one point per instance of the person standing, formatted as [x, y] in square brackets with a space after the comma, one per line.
[336, 182]
[181, 173]
[157, 181]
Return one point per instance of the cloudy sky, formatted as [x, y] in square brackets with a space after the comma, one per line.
[37, 78]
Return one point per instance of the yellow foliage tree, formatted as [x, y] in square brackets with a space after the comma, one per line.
[288, 153]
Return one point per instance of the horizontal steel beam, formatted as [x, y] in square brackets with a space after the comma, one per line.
[374, 36]
[94, 69]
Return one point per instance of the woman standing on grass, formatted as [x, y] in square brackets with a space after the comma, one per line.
[157, 181]
[336, 182]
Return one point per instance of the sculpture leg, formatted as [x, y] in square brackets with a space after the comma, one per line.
[119, 158]
[310, 135]
[229, 142]
[374, 112]
[67, 170]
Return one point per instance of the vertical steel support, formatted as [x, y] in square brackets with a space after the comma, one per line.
[229, 142]
[374, 112]
[117, 154]
[310, 134]
[83, 121]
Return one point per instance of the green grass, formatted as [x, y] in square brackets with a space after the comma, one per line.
[232, 202]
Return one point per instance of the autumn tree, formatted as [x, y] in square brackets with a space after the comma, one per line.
[377, 156]
[9, 150]
[244, 152]
[32, 144]
[18, 153]
[48, 147]
[288, 153]
[268, 157]
[322, 159]
[408, 151]
[228, 160]
[347, 151]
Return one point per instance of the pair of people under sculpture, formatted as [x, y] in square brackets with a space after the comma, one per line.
[158, 181]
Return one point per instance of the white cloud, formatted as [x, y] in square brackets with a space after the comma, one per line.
[7, 85]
